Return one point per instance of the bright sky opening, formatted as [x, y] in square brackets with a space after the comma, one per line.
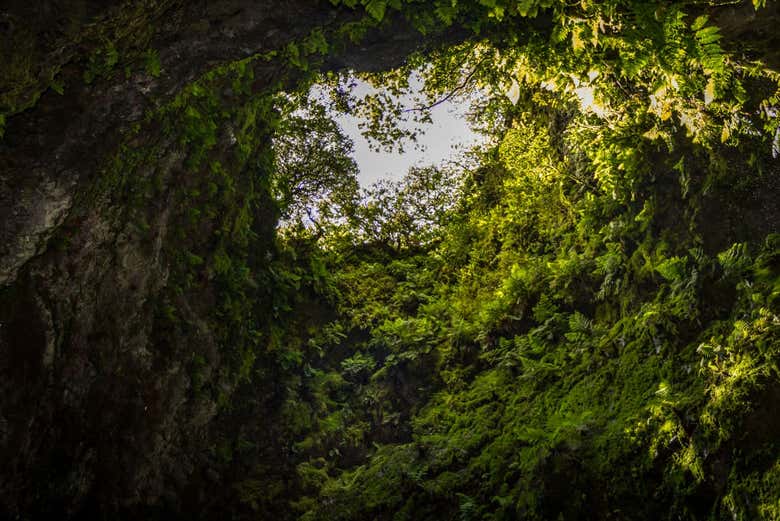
[441, 140]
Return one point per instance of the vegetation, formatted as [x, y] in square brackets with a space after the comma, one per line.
[585, 324]
[561, 332]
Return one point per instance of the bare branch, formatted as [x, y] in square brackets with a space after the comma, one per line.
[452, 93]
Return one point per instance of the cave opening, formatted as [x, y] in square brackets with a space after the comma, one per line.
[233, 286]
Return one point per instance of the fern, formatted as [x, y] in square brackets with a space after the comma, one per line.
[735, 261]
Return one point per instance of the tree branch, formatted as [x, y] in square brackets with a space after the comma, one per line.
[452, 93]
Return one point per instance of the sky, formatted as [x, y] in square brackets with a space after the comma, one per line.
[439, 140]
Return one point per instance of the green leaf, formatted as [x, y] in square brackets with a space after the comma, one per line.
[673, 268]
[700, 22]
[525, 7]
[57, 87]
[152, 64]
[446, 13]
[376, 8]
[112, 56]
[709, 92]
[577, 42]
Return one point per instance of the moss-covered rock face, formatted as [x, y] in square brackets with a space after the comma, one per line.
[134, 206]
[586, 329]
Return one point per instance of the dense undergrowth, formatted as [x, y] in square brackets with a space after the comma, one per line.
[551, 354]
[586, 327]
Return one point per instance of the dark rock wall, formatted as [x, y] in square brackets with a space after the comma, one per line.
[102, 411]
[98, 411]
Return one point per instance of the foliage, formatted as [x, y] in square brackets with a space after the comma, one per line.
[551, 335]
[575, 328]
[315, 178]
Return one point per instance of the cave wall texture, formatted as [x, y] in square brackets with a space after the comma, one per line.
[98, 410]
[102, 402]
